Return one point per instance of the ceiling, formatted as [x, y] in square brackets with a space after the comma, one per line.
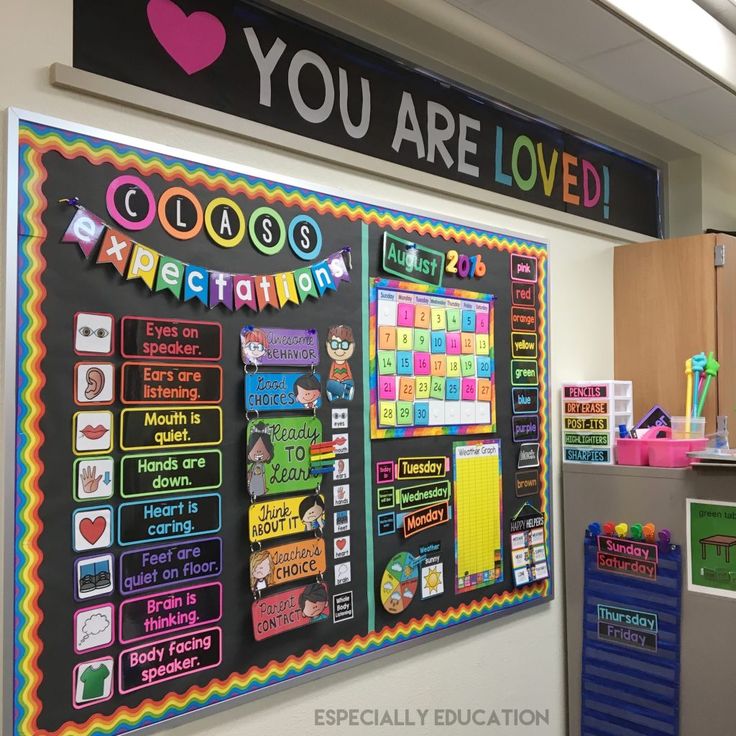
[585, 37]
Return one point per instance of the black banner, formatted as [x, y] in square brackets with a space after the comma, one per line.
[265, 66]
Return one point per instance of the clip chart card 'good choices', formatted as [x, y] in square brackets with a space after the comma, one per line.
[243, 450]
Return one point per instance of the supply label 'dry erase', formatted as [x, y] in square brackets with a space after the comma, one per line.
[151, 337]
[180, 426]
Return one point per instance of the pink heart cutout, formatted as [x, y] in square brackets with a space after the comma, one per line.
[193, 41]
[92, 529]
[340, 543]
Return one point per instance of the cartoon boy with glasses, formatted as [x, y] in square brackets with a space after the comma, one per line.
[340, 347]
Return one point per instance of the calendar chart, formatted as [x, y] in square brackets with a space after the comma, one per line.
[434, 360]
[477, 514]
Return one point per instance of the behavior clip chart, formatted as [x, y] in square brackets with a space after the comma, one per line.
[434, 365]
[207, 500]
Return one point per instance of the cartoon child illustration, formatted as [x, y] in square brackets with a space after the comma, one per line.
[261, 570]
[308, 390]
[253, 345]
[313, 602]
[340, 347]
[312, 513]
[258, 453]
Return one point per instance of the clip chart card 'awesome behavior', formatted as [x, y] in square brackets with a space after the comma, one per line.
[242, 449]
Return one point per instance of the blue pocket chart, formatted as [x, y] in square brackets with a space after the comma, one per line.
[631, 648]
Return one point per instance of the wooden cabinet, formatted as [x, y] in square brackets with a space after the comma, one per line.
[672, 299]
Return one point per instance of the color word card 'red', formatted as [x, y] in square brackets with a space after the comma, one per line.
[434, 361]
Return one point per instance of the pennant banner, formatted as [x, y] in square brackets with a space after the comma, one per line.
[133, 260]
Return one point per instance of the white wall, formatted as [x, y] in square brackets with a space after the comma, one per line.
[484, 667]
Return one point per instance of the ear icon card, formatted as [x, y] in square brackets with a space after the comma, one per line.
[94, 383]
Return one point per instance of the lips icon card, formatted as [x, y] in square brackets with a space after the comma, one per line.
[92, 432]
[94, 383]
[92, 528]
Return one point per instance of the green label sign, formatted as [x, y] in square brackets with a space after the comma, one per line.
[411, 261]
[425, 494]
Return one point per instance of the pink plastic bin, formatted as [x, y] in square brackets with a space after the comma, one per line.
[669, 453]
[630, 451]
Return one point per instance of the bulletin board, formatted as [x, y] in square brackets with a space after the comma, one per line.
[213, 492]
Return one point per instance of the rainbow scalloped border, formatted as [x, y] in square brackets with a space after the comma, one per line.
[34, 141]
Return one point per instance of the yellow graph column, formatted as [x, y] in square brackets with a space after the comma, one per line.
[477, 513]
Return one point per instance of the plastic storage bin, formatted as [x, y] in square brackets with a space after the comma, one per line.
[680, 431]
[669, 453]
[630, 451]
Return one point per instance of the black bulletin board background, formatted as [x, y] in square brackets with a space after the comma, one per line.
[74, 284]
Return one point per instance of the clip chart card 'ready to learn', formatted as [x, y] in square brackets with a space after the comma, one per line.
[245, 452]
